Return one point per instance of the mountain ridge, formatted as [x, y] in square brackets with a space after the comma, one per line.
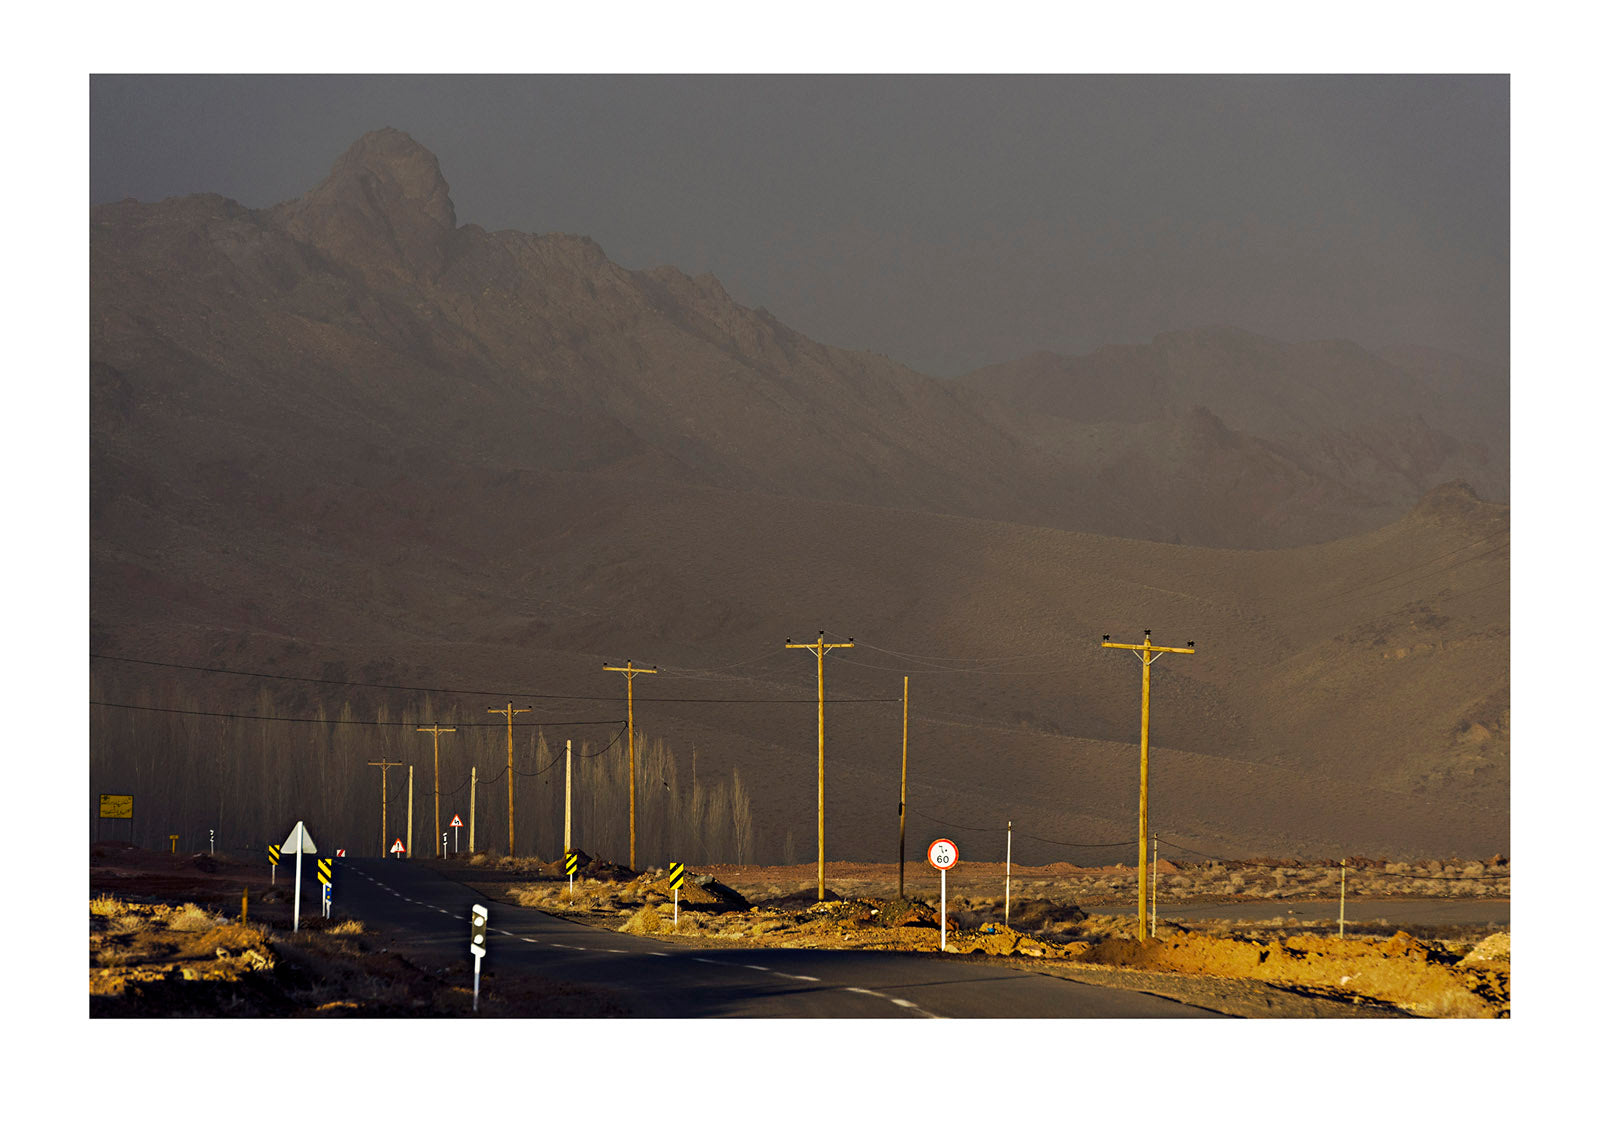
[346, 433]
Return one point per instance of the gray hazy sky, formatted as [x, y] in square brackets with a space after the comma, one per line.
[947, 221]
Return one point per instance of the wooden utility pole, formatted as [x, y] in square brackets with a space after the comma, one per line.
[511, 802]
[1148, 654]
[905, 726]
[411, 779]
[630, 671]
[821, 649]
[566, 836]
[436, 730]
[472, 815]
[383, 848]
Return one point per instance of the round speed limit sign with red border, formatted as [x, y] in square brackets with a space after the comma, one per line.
[942, 854]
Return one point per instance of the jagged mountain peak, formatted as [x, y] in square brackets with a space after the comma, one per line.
[384, 205]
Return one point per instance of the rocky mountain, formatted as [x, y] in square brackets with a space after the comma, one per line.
[346, 438]
[1266, 442]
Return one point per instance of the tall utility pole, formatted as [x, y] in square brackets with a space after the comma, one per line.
[511, 805]
[630, 671]
[472, 815]
[436, 730]
[411, 779]
[1148, 653]
[905, 726]
[821, 649]
[383, 848]
[566, 836]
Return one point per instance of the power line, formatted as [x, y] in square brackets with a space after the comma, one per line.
[975, 829]
[453, 690]
[332, 721]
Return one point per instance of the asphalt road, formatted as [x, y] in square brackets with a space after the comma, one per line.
[658, 978]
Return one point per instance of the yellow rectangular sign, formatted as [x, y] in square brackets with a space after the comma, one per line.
[117, 805]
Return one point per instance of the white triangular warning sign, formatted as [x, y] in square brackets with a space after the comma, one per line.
[298, 841]
[455, 822]
[397, 846]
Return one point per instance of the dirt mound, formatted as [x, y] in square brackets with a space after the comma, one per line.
[1399, 970]
[1494, 949]
[801, 900]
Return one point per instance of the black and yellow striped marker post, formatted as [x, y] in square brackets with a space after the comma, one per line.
[570, 865]
[674, 881]
[272, 858]
[325, 878]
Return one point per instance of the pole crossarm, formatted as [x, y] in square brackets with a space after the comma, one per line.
[511, 801]
[630, 671]
[821, 648]
[1148, 654]
[1145, 647]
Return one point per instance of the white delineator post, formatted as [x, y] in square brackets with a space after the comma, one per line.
[479, 941]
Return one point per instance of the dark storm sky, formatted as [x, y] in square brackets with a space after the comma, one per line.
[947, 221]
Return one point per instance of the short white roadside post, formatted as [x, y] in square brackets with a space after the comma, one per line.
[942, 855]
[480, 936]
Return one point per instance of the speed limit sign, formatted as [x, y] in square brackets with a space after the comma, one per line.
[942, 855]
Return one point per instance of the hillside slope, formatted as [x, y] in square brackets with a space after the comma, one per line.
[347, 440]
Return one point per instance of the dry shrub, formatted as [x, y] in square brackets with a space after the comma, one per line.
[645, 921]
[347, 927]
[106, 906]
[191, 918]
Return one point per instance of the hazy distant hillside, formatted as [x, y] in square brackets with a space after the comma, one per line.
[362, 320]
[1286, 440]
[346, 439]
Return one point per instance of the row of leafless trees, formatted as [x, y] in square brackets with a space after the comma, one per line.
[195, 767]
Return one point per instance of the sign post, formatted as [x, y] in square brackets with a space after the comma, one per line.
[213, 842]
[325, 876]
[480, 936]
[455, 823]
[674, 881]
[397, 847]
[299, 842]
[272, 858]
[942, 855]
[570, 864]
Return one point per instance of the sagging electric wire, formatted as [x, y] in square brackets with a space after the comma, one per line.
[942, 823]
[459, 690]
[332, 721]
